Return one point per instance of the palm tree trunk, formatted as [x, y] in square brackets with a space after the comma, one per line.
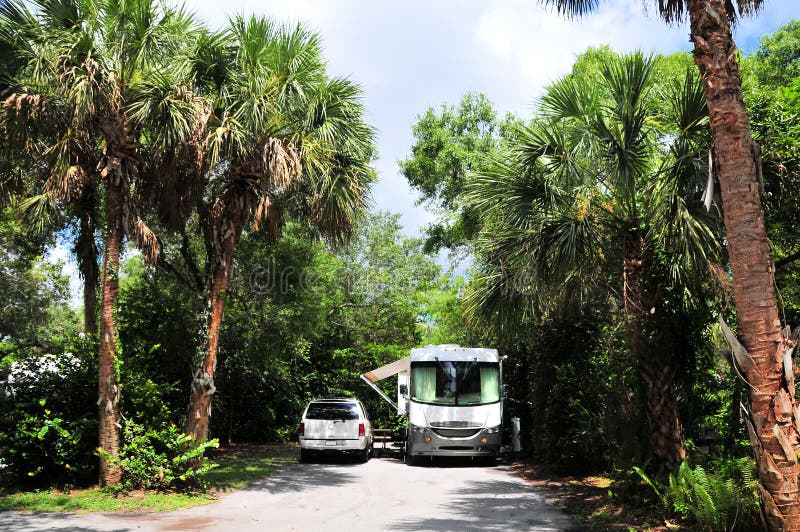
[655, 364]
[86, 252]
[621, 419]
[107, 383]
[774, 425]
[230, 229]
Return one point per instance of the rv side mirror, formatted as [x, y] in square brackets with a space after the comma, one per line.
[403, 389]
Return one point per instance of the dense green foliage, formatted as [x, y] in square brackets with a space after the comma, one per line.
[47, 419]
[449, 145]
[301, 322]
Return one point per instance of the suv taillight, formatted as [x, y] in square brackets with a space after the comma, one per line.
[361, 430]
[302, 428]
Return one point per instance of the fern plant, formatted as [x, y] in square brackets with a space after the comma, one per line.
[725, 500]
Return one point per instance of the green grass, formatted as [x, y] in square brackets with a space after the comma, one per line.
[98, 500]
[235, 470]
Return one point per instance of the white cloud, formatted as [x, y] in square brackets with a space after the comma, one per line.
[531, 46]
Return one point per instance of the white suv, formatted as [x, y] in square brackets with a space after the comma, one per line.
[335, 426]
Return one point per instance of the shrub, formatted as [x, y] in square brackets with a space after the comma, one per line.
[724, 500]
[48, 421]
[160, 458]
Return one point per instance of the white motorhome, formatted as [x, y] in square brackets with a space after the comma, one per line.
[453, 397]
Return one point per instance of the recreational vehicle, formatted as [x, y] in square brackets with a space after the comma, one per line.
[453, 397]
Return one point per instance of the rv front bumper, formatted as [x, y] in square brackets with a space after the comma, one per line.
[440, 442]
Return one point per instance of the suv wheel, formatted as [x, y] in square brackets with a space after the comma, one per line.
[305, 455]
[363, 456]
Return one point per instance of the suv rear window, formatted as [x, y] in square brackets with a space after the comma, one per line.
[332, 411]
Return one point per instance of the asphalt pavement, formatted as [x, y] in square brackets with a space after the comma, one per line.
[332, 496]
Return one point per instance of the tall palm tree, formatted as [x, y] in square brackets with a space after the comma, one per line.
[763, 355]
[590, 185]
[283, 139]
[78, 191]
[88, 64]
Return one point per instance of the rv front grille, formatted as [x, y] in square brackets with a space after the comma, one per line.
[455, 448]
[454, 424]
[456, 433]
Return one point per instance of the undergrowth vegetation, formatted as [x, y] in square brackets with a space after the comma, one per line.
[722, 497]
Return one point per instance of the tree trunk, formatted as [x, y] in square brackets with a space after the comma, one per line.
[621, 419]
[86, 253]
[655, 364]
[107, 382]
[229, 230]
[774, 409]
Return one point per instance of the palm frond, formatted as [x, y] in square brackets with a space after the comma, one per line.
[340, 198]
[497, 302]
[166, 110]
[282, 164]
[268, 218]
[38, 212]
[672, 11]
[144, 237]
[573, 8]
[212, 60]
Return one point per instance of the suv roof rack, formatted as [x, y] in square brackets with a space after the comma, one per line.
[334, 399]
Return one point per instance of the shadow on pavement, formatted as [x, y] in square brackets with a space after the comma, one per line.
[301, 477]
[499, 505]
[28, 522]
[452, 461]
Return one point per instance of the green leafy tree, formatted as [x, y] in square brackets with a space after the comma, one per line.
[448, 146]
[772, 86]
[387, 279]
[35, 317]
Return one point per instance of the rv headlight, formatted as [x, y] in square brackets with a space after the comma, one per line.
[415, 428]
[492, 430]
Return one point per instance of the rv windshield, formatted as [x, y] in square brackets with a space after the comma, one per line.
[455, 383]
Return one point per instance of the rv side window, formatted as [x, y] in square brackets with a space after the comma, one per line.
[332, 411]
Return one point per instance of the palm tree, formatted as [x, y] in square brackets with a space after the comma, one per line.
[762, 355]
[282, 139]
[88, 65]
[79, 190]
[584, 189]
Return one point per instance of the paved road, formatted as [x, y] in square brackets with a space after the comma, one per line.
[383, 494]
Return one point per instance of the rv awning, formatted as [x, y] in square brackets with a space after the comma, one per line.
[387, 371]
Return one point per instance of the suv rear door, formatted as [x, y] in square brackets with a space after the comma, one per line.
[332, 421]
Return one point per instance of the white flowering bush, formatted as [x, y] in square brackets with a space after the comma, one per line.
[48, 420]
[34, 374]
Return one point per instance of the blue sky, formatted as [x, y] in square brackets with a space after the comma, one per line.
[411, 55]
